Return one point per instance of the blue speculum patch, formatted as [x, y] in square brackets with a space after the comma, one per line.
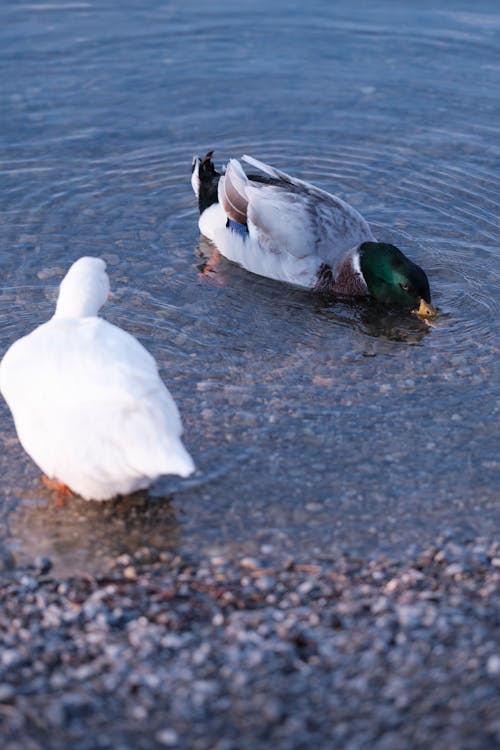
[235, 226]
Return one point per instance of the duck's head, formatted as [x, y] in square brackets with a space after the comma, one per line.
[394, 279]
[84, 289]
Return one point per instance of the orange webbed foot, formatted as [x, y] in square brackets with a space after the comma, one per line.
[55, 485]
[208, 264]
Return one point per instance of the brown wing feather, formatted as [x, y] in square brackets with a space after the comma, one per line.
[232, 194]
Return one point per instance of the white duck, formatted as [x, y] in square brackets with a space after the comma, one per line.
[87, 400]
[286, 229]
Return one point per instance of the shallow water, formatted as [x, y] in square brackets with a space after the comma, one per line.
[313, 423]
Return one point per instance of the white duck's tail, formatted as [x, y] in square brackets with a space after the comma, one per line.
[266, 168]
[179, 461]
[195, 175]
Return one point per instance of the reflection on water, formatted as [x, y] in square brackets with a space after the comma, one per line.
[312, 422]
[83, 536]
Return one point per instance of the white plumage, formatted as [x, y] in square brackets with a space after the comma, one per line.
[87, 400]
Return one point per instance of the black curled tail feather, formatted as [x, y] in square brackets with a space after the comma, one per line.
[208, 181]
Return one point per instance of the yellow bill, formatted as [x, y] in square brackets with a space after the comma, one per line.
[426, 310]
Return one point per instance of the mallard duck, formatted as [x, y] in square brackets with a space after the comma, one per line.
[286, 229]
[87, 400]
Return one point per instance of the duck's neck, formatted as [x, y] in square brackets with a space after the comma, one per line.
[346, 278]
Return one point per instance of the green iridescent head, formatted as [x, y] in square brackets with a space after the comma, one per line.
[394, 279]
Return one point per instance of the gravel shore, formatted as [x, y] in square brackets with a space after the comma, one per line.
[237, 654]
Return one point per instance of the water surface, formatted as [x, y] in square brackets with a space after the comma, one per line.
[314, 423]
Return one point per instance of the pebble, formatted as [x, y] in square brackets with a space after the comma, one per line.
[454, 569]
[265, 583]
[7, 692]
[223, 653]
[48, 273]
[408, 615]
[7, 560]
[493, 665]
[112, 259]
[28, 582]
[167, 737]
[42, 564]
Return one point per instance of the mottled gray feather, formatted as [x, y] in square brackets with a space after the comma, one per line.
[301, 219]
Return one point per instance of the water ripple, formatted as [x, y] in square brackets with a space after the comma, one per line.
[393, 109]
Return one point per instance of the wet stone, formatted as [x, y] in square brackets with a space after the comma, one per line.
[7, 560]
[167, 737]
[42, 565]
[212, 652]
[493, 665]
[7, 693]
[265, 583]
